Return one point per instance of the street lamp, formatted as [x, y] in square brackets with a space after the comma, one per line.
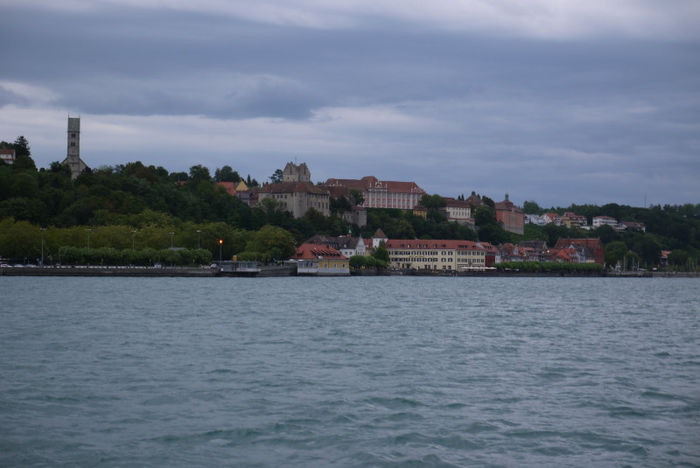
[42, 246]
[221, 242]
[199, 232]
[133, 239]
[171, 239]
[89, 231]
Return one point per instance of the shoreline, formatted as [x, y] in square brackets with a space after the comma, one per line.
[269, 272]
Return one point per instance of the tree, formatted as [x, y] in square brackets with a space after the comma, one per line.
[484, 216]
[199, 174]
[272, 237]
[381, 253]
[23, 159]
[277, 176]
[531, 207]
[356, 197]
[226, 174]
[615, 252]
[432, 201]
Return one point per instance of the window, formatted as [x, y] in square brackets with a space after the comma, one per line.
[72, 143]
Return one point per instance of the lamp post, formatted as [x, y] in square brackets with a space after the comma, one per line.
[133, 239]
[199, 232]
[171, 239]
[42, 246]
[89, 231]
[221, 242]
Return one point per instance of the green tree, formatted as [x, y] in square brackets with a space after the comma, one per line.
[381, 253]
[272, 237]
[277, 176]
[226, 174]
[531, 207]
[614, 252]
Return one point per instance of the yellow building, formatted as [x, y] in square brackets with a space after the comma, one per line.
[436, 254]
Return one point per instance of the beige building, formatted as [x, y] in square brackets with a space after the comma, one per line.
[382, 193]
[436, 254]
[459, 211]
[296, 194]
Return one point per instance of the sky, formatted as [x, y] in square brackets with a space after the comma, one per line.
[556, 101]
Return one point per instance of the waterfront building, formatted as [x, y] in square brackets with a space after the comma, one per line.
[346, 245]
[382, 194]
[320, 260]
[510, 216]
[73, 160]
[594, 253]
[436, 254]
[378, 238]
[296, 193]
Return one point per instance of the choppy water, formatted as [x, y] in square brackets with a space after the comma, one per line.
[349, 372]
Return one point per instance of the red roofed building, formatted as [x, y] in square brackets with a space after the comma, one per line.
[382, 194]
[590, 248]
[510, 216]
[436, 254]
[320, 260]
[7, 155]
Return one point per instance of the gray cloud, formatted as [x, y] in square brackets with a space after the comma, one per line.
[454, 108]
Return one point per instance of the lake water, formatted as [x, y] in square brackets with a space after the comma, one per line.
[388, 371]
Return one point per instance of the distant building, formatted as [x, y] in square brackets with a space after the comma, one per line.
[459, 211]
[587, 250]
[73, 160]
[599, 221]
[436, 254]
[510, 216]
[346, 245]
[320, 260]
[296, 194]
[7, 155]
[572, 220]
[634, 226]
[382, 194]
[294, 173]
[474, 200]
[378, 238]
[233, 187]
[535, 219]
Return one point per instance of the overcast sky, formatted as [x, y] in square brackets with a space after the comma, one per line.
[555, 101]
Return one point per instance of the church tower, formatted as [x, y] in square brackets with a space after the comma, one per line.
[73, 155]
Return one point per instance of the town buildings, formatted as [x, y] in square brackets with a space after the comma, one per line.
[510, 216]
[320, 260]
[587, 250]
[382, 194]
[346, 245]
[436, 254]
[458, 211]
[296, 193]
[73, 160]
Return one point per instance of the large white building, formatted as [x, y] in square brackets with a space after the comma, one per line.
[382, 194]
[436, 254]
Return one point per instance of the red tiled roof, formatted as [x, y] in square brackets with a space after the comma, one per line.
[314, 251]
[368, 182]
[432, 244]
[594, 244]
[7, 151]
[293, 187]
[229, 186]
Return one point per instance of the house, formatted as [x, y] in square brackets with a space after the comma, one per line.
[510, 216]
[474, 200]
[436, 254]
[595, 252]
[346, 245]
[296, 193]
[320, 260]
[420, 210]
[7, 155]
[491, 252]
[599, 221]
[382, 194]
[535, 219]
[634, 226]
[572, 220]
[233, 187]
[378, 238]
[459, 211]
[552, 218]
